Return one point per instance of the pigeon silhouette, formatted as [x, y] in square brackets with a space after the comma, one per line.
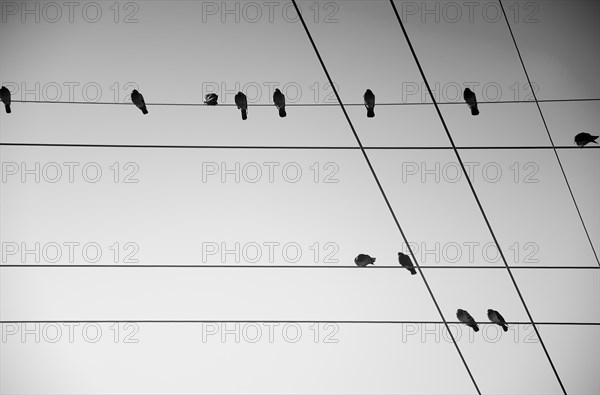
[466, 318]
[496, 318]
[211, 99]
[279, 101]
[369, 103]
[242, 103]
[138, 100]
[407, 263]
[471, 100]
[363, 260]
[581, 139]
[5, 97]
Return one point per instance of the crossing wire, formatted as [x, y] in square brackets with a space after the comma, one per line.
[550, 137]
[301, 18]
[489, 226]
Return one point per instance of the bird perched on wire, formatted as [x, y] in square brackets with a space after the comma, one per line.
[279, 101]
[466, 318]
[138, 100]
[5, 97]
[584, 138]
[211, 99]
[471, 100]
[363, 260]
[242, 103]
[369, 103]
[496, 318]
[406, 262]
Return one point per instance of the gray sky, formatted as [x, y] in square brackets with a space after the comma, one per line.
[318, 207]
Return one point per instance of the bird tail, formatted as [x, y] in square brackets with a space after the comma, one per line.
[244, 114]
[370, 112]
[474, 110]
[594, 138]
[505, 328]
[7, 107]
[282, 112]
[144, 110]
[475, 327]
[412, 271]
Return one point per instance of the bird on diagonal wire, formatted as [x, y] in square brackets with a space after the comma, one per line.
[369, 98]
[211, 99]
[242, 104]
[279, 101]
[471, 100]
[464, 317]
[363, 260]
[583, 138]
[138, 100]
[497, 318]
[5, 97]
[406, 262]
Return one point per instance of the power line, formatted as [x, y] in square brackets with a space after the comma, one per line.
[279, 147]
[458, 157]
[286, 322]
[381, 190]
[354, 267]
[555, 323]
[550, 136]
[304, 104]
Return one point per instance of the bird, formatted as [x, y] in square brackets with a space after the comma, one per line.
[363, 260]
[242, 103]
[369, 103]
[407, 263]
[466, 318]
[211, 99]
[5, 97]
[279, 101]
[496, 318]
[471, 100]
[581, 139]
[138, 100]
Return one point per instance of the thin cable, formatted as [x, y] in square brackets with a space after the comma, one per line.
[288, 322]
[302, 104]
[276, 147]
[397, 267]
[489, 226]
[550, 136]
[382, 191]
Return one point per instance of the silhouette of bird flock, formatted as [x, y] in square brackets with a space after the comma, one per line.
[241, 101]
[362, 260]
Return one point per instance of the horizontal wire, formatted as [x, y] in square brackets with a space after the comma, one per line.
[275, 147]
[306, 104]
[299, 267]
[286, 322]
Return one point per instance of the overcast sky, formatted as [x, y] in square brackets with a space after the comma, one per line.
[71, 205]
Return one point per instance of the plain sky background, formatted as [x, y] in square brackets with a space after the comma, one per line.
[179, 50]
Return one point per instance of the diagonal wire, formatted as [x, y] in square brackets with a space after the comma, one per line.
[489, 226]
[383, 192]
[550, 136]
